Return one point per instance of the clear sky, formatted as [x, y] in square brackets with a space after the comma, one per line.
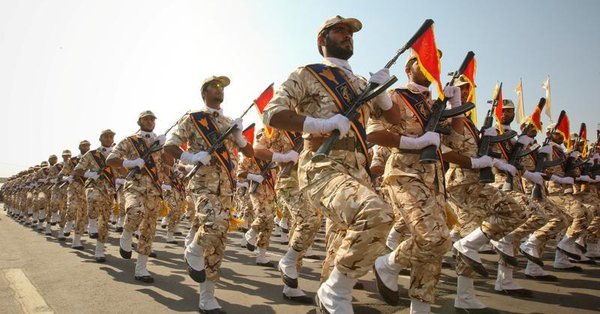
[69, 69]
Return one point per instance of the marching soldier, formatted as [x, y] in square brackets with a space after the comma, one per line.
[76, 203]
[211, 187]
[174, 195]
[58, 198]
[99, 189]
[142, 191]
[310, 101]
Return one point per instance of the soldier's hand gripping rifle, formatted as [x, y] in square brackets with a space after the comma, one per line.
[287, 169]
[440, 113]
[517, 152]
[485, 174]
[217, 143]
[155, 147]
[540, 160]
[370, 92]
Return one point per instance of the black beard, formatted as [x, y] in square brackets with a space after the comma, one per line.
[506, 121]
[336, 51]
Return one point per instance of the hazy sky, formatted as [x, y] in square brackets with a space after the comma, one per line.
[69, 69]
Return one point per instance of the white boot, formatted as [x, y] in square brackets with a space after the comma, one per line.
[465, 294]
[99, 253]
[164, 222]
[293, 292]
[251, 236]
[207, 296]
[419, 307]
[40, 225]
[68, 227]
[561, 261]
[534, 270]
[530, 247]
[504, 279]
[194, 254]
[284, 238]
[55, 218]
[393, 239]
[310, 253]
[335, 294]
[93, 226]
[469, 245]
[284, 225]
[126, 240]
[276, 231]
[388, 270]
[593, 250]
[141, 272]
[41, 215]
[171, 238]
[76, 241]
[48, 230]
[568, 246]
[190, 236]
[120, 221]
[261, 257]
[505, 248]
[243, 241]
[287, 267]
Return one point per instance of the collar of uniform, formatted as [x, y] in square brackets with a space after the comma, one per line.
[214, 112]
[506, 128]
[105, 150]
[340, 63]
[147, 134]
[416, 88]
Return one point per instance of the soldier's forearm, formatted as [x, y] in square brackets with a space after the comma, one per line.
[174, 151]
[384, 138]
[287, 120]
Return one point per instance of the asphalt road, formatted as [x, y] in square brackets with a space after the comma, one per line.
[38, 274]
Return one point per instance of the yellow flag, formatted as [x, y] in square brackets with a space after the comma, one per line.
[520, 113]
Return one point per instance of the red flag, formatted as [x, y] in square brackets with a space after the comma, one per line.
[498, 99]
[536, 117]
[249, 134]
[428, 59]
[184, 147]
[264, 98]
[469, 73]
[562, 127]
[261, 102]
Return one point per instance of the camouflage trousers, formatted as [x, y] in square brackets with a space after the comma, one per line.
[589, 199]
[121, 202]
[141, 212]
[76, 206]
[39, 202]
[421, 207]
[482, 205]
[244, 208]
[177, 206]
[534, 211]
[305, 220]
[361, 217]
[212, 223]
[263, 202]
[58, 203]
[102, 204]
[593, 230]
[557, 221]
[575, 210]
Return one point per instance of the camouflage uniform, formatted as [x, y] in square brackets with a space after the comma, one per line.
[478, 204]
[211, 191]
[76, 202]
[339, 184]
[142, 195]
[416, 192]
[58, 196]
[100, 192]
[175, 198]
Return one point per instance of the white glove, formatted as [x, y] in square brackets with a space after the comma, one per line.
[453, 95]
[490, 132]
[161, 139]
[255, 177]
[238, 136]
[525, 140]
[427, 139]
[596, 157]
[534, 177]
[291, 156]
[504, 166]
[575, 154]
[70, 179]
[482, 162]
[597, 178]
[42, 180]
[165, 187]
[65, 178]
[119, 181]
[242, 184]
[91, 175]
[380, 77]
[584, 178]
[562, 180]
[132, 163]
[54, 181]
[316, 125]
[190, 158]
[547, 149]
